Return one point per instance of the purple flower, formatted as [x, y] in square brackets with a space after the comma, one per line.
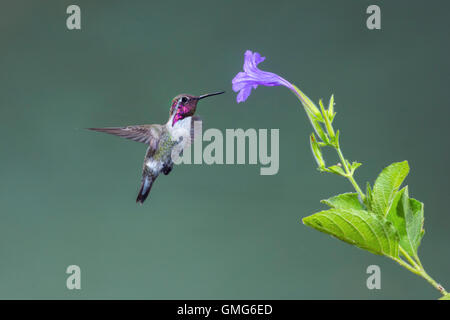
[252, 77]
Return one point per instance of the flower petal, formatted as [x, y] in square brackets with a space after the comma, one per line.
[251, 61]
[243, 82]
[243, 94]
[239, 81]
[258, 58]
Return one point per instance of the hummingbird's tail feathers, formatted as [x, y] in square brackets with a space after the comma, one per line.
[146, 185]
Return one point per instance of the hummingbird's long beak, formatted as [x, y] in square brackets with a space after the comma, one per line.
[210, 95]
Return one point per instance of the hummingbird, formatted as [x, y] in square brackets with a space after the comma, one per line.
[162, 138]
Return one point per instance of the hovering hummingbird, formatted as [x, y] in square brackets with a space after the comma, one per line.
[162, 138]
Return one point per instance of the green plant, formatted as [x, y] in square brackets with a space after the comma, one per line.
[384, 220]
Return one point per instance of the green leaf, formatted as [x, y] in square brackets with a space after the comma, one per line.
[321, 105]
[319, 130]
[334, 141]
[359, 228]
[386, 186]
[331, 112]
[368, 201]
[316, 152]
[327, 121]
[407, 217]
[354, 166]
[332, 117]
[336, 170]
[344, 201]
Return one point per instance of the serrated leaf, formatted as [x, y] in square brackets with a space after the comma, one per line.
[336, 170]
[386, 186]
[359, 228]
[406, 215]
[344, 201]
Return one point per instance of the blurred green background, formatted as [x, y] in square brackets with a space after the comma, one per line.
[67, 195]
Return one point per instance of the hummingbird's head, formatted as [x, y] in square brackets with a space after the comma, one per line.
[184, 105]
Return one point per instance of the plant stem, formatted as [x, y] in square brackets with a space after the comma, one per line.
[414, 265]
[418, 261]
[349, 173]
[408, 257]
[425, 275]
[421, 272]
[406, 265]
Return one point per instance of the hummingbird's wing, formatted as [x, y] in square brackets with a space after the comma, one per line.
[147, 133]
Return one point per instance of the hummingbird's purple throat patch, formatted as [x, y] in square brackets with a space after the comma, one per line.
[181, 111]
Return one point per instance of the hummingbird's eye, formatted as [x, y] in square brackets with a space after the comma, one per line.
[184, 100]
